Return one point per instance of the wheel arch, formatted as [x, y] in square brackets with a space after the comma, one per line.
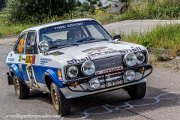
[14, 70]
[51, 76]
[48, 82]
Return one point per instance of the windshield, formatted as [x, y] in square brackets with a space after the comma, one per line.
[73, 34]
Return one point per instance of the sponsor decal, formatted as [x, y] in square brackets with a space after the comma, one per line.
[20, 58]
[64, 26]
[75, 61]
[109, 70]
[94, 49]
[110, 51]
[44, 61]
[30, 59]
[68, 25]
[20, 67]
[55, 53]
[114, 82]
[98, 51]
[11, 59]
[21, 45]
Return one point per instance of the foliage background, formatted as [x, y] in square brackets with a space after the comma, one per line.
[37, 10]
[18, 15]
[43, 11]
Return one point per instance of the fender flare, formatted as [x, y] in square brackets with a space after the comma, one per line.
[15, 69]
[53, 75]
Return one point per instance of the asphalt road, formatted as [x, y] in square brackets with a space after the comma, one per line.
[162, 100]
[128, 26]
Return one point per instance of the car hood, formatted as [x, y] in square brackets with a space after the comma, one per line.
[96, 50]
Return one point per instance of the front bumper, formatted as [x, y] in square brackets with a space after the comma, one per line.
[80, 87]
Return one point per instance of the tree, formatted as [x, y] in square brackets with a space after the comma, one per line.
[37, 10]
[2, 4]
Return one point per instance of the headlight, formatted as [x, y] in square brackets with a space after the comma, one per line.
[130, 59]
[72, 71]
[129, 75]
[94, 83]
[88, 68]
[140, 57]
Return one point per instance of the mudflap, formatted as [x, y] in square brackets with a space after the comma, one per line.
[10, 80]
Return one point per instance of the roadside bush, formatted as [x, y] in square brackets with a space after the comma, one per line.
[39, 11]
[165, 37]
[153, 9]
[36, 10]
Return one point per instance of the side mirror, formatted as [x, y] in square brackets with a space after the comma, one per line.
[117, 37]
[44, 46]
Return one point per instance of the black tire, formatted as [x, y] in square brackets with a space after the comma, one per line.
[21, 90]
[137, 91]
[60, 103]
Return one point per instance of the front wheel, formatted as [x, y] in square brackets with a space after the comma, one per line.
[21, 90]
[60, 103]
[137, 91]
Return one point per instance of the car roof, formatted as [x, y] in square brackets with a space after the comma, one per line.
[36, 28]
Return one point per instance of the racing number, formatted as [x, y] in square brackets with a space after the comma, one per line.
[31, 76]
[28, 59]
[21, 45]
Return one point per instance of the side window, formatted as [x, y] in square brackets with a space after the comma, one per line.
[31, 45]
[19, 48]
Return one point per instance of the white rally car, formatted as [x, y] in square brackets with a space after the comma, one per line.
[75, 58]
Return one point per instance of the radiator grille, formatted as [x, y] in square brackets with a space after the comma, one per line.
[110, 62]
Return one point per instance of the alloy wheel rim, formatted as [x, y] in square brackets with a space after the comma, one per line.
[55, 99]
[17, 86]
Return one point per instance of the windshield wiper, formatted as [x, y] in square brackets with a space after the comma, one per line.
[73, 44]
[85, 39]
[97, 40]
[77, 43]
[55, 47]
[66, 45]
[103, 39]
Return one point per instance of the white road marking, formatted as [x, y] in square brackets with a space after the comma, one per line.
[127, 105]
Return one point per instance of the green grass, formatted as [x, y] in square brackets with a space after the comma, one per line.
[166, 37]
[153, 9]
[12, 30]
